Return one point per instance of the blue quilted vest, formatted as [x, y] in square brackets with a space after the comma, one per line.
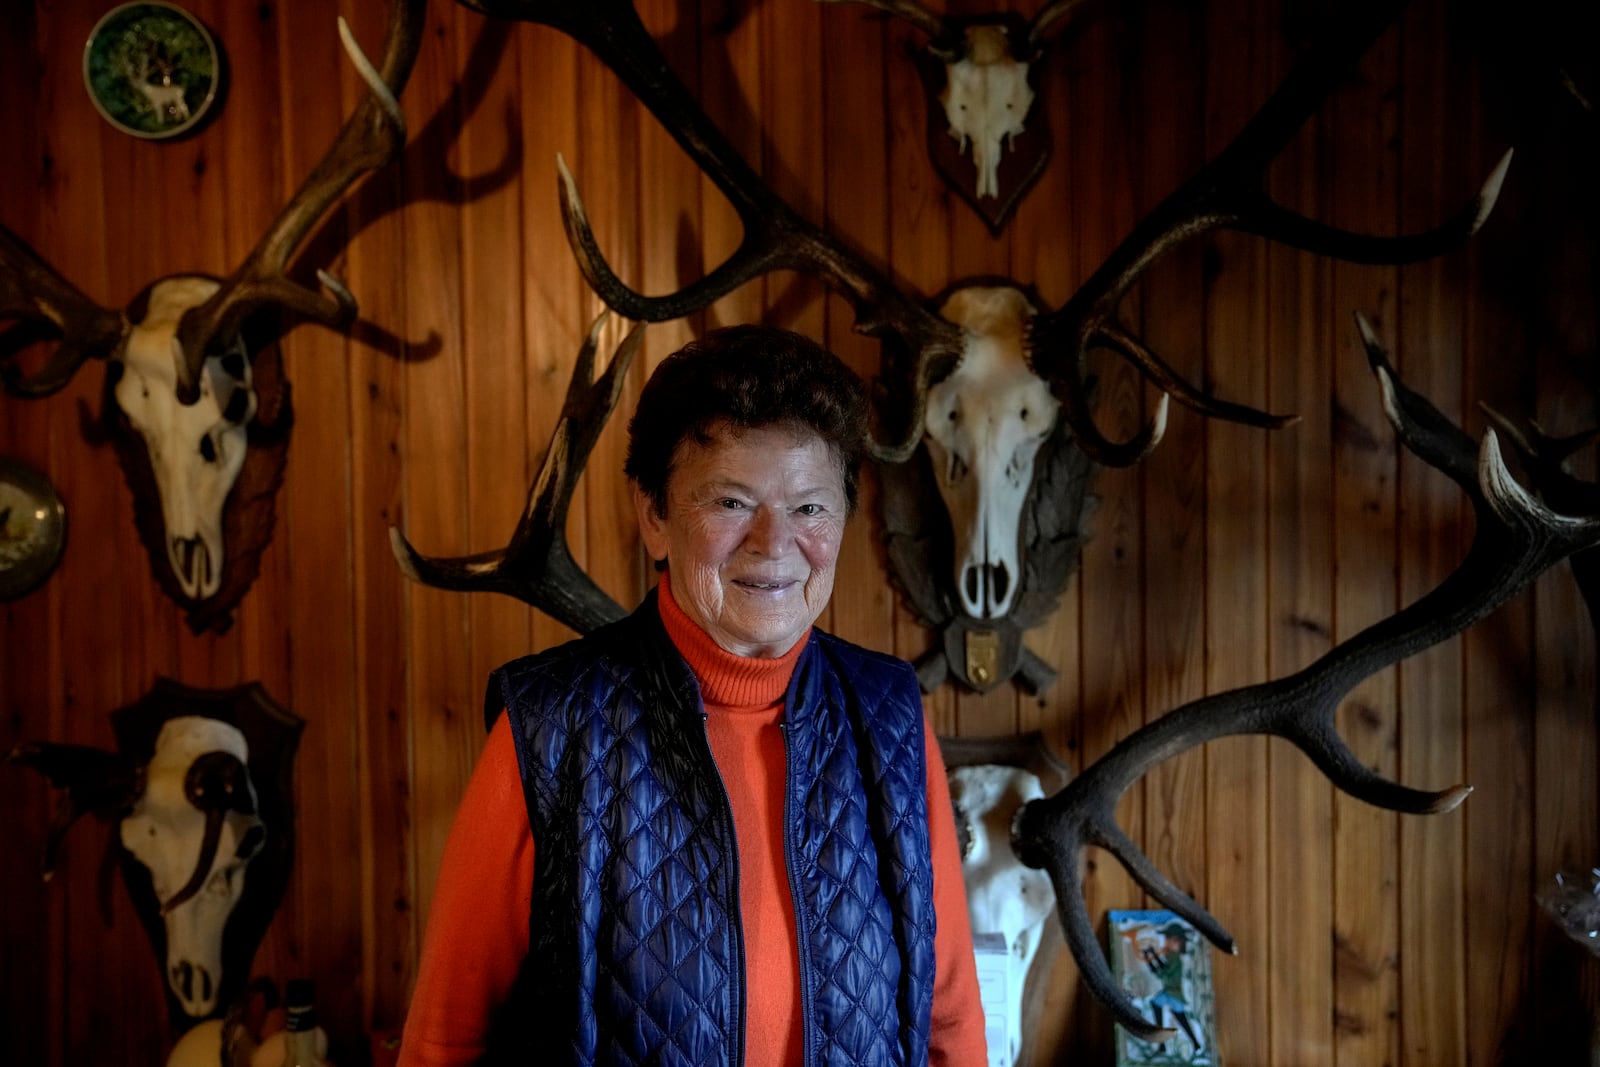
[635, 948]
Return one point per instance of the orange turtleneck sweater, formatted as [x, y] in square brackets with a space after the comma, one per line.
[478, 924]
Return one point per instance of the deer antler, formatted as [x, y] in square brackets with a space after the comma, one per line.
[1516, 539]
[370, 138]
[775, 236]
[31, 291]
[536, 566]
[1227, 193]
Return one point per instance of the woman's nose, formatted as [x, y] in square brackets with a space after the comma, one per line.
[768, 533]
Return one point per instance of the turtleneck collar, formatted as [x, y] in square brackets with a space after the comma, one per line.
[726, 680]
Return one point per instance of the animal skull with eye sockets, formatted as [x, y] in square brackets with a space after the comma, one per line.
[178, 375]
[986, 98]
[195, 828]
[196, 450]
[984, 425]
[199, 787]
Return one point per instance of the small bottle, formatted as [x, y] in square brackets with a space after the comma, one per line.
[304, 1042]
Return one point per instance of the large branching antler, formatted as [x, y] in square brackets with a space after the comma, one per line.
[775, 236]
[34, 294]
[1228, 193]
[1516, 539]
[370, 138]
[536, 566]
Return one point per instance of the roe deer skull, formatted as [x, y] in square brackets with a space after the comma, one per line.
[986, 97]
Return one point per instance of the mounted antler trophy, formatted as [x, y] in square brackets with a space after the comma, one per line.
[981, 382]
[200, 419]
[979, 72]
[1517, 538]
[200, 787]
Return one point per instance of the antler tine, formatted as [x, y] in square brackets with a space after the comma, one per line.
[928, 21]
[33, 291]
[536, 566]
[1516, 538]
[1229, 192]
[370, 138]
[775, 236]
[1044, 23]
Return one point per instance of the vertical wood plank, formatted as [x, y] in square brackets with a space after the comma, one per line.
[1295, 947]
[1433, 523]
[1236, 549]
[321, 913]
[1366, 915]
[1172, 92]
[1112, 574]
[1498, 743]
[856, 195]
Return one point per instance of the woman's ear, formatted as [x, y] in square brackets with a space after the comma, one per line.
[652, 526]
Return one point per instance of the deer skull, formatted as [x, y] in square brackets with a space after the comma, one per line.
[983, 427]
[986, 97]
[196, 450]
[1003, 896]
[195, 828]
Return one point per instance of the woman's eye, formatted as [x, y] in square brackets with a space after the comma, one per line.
[731, 504]
[809, 509]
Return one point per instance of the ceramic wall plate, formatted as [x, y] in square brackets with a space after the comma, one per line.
[33, 528]
[151, 69]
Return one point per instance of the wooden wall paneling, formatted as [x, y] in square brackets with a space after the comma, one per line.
[1238, 309]
[1434, 523]
[730, 93]
[556, 304]
[1294, 946]
[321, 913]
[374, 389]
[1042, 255]
[1497, 731]
[1366, 915]
[1112, 567]
[447, 722]
[32, 915]
[920, 259]
[856, 195]
[671, 250]
[496, 468]
[88, 208]
[793, 144]
[1566, 834]
[609, 119]
[1171, 96]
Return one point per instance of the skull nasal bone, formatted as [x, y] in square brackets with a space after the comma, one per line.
[987, 585]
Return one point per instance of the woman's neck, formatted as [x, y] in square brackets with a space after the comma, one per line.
[726, 679]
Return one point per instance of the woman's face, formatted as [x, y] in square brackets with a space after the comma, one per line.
[752, 531]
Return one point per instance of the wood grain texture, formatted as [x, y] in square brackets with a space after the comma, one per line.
[1230, 556]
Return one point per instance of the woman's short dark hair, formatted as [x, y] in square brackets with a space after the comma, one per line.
[748, 377]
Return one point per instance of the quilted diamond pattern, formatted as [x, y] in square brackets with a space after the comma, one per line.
[634, 948]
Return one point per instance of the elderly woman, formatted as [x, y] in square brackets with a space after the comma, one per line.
[709, 833]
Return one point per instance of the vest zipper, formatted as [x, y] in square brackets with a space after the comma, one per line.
[802, 933]
[736, 910]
